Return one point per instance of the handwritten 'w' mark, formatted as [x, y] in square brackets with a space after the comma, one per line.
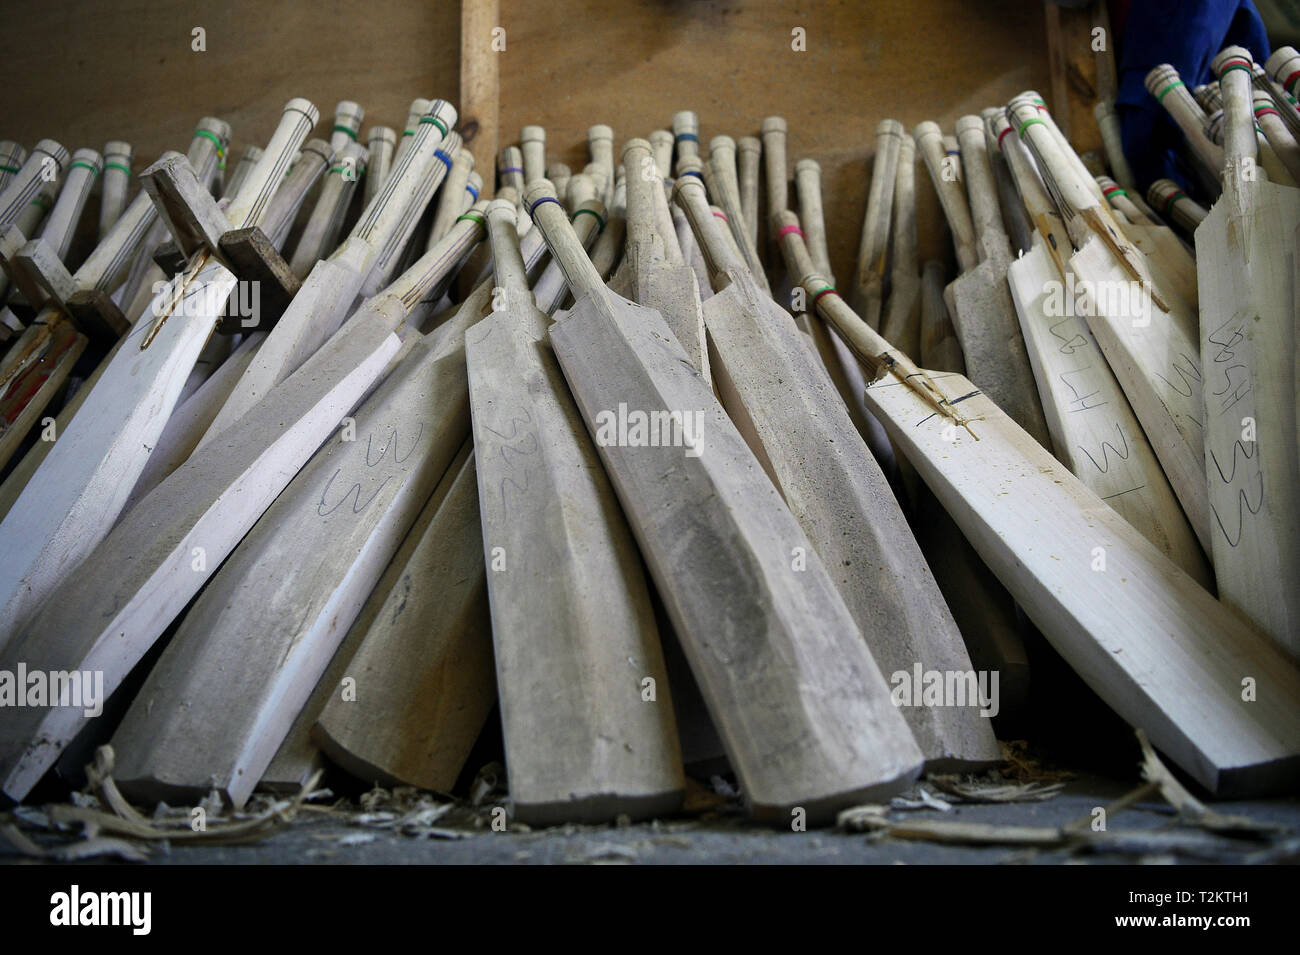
[1106, 448]
[354, 492]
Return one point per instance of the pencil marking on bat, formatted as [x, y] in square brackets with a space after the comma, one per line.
[1188, 375]
[391, 442]
[354, 492]
[1106, 448]
[1080, 399]
[1126, 491]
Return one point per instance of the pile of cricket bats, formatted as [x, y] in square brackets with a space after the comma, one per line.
[322, 456]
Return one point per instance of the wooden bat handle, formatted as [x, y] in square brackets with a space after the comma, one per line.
[383, 216]
[347, 124]
[249, 206]
[29, 181]
[980, 186]
[507, 260]
[868, 345]
[774, 133]
[1032, 129]
[1283, 67]
[1167, 197]
[643, 180]
[691, 198]
[1031, 189]
[582, 188]
[62, 221]
[114, 185]
[423, 280]
[661, 144]
[686, 133]
[952, 198]
[808, 189]
[749, 157]
[314, 159]
[532, 143]
[510, 166]
[12, 157]
[1233, 66]
[600, 143]
[549, 216]
[380, 142]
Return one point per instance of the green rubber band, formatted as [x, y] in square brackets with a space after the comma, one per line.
[1236, 66]
[590, 212]
[117, 165]
[221, 149]
[13, 169]
[41, 201]
[344, 129]
[436, 121]
[408, 132]
[1027, 124]
[1117, 191]
[472, 217]
[1160, 97]
[84, 165]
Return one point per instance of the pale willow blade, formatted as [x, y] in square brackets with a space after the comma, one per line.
[779, 659]
[1245, 257]
[79, 489]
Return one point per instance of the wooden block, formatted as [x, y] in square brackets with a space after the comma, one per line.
[192, 215]
[98, 316]
[783, 710]
[40, 275]
[480, 82]
[254, 259]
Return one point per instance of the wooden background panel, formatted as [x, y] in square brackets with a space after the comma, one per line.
[572, 63]
[125, 70]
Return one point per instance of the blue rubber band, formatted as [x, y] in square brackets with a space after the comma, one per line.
[439, 154]
[471, 190]
[689, 137]
[533, 208]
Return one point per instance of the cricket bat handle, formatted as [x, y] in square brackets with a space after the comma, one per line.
[47, 159]
[253, 200]
[1033, 130]
[549, 216]
[774, 131]
[986, 215]
[929, 142]
[1233, 67]
[690, 196]
[384, 215]
[507, 259]
[642, 179]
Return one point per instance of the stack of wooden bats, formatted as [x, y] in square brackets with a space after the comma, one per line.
[298, 471]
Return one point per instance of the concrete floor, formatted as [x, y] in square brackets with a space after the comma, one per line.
[317, 837]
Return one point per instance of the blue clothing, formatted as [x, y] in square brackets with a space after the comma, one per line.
[1188, 34]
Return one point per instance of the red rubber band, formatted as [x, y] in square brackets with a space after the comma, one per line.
[1003, 135]
[1290, 80]
[787, 229]
[829, 290]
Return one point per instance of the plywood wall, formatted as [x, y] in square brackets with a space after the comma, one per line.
[91, 71]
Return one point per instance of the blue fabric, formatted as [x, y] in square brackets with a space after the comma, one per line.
[1187, 34]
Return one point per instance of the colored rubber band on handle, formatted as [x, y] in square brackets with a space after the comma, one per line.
[1114, 191]
[442, 157]
[1002, 135]
[12, 169]
[689, 137]
[512, 169]
[788, 229]
[1160, 97]
[1289, 83]
[471, 190]
[590, 212]
[442, 127]
[472, 217]
[533, 208]
[1030, 122]
[1264, 108]
[696, 174]
[352, 133]
[84, 165]
[221, 149]
[1236, 64]
[117, 165]
[828, 290]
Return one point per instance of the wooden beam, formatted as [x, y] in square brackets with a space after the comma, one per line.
[480, 83]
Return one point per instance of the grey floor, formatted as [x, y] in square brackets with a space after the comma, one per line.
[1146, 832]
